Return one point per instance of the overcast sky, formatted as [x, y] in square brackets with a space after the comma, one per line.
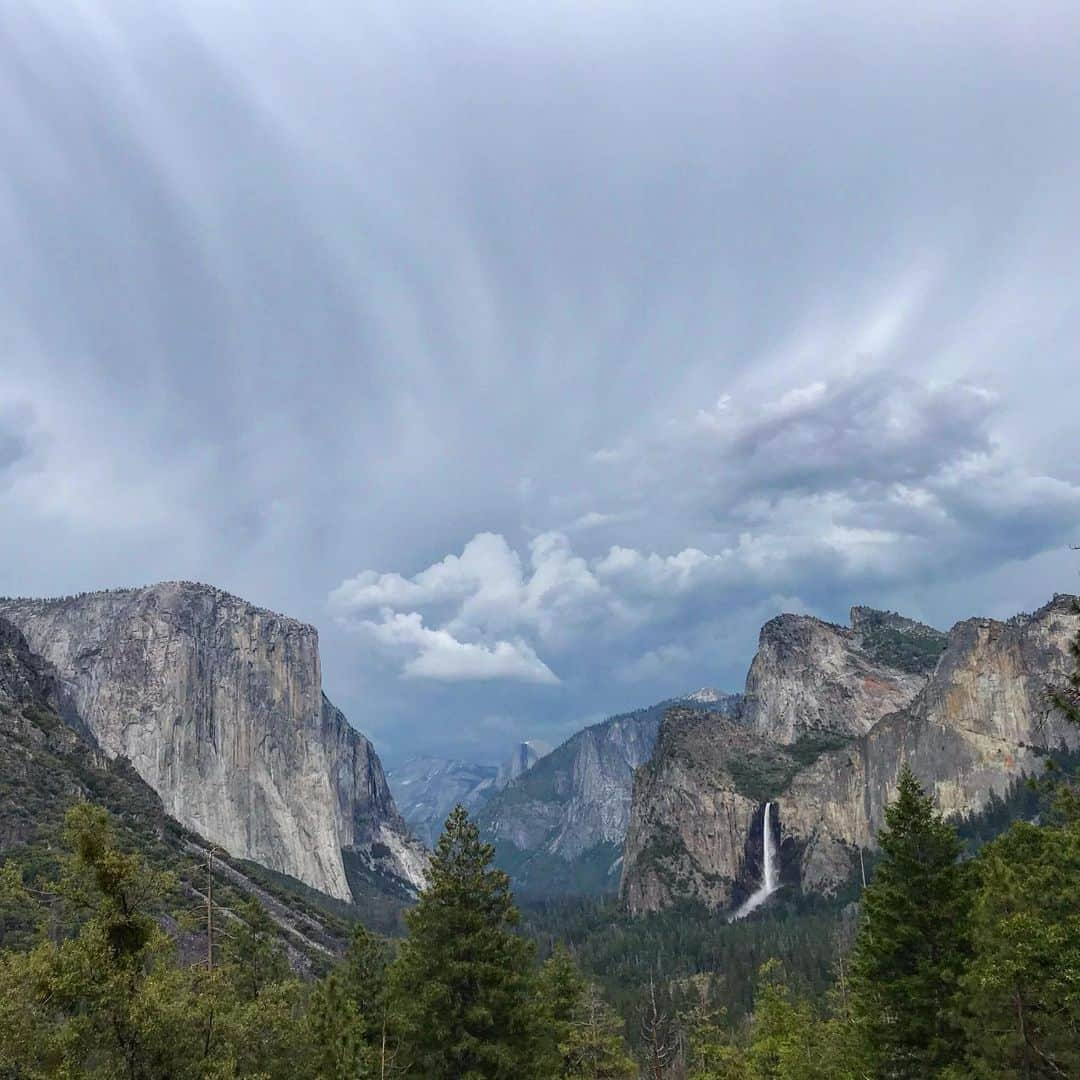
[539, 352]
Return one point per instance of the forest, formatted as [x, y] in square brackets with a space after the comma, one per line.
[960, 959]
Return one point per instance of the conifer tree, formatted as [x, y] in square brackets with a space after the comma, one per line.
[560, 986]
[594, 1047]
[363, 973]
[789, 1041]
[461, 986]
[713, 1053]
[336, 1046]
[252, 952]
[1021, 993]
[588, 1036]
[912, 940]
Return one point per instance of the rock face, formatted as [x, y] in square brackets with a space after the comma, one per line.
[983, 719]
[427, 789]
[688, 823]
[524, 757]
[979, 719]
[811, 676]
[559, 827]
[45, 763]
[25, 679]
[218, 705]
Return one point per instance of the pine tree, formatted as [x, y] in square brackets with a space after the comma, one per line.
[461, 986]
[252, 952]
[789, 1041]
[336, 1047]
[1021, 993]
[587, 1035]
[713, 1053]
[559, 988]
[594, 1048]
[363, 974]
[912, 940]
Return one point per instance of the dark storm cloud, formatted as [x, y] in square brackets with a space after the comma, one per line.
[861, 484]
[294, 297]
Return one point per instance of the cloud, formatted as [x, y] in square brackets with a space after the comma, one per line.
[14, 436]
[860, 483]
[439, 655]
[292, 294]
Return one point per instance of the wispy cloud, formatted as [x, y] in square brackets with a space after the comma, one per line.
[290, 294]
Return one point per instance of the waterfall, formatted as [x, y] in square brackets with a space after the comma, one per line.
[769, 883]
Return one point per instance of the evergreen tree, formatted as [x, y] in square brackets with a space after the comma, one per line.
[336, 1047]
[789, 1041]
[912, 940]
[587, 1035]
[461, 985]
[363, 973]
[713, 1053]
[1021, 993]
[594, 1047]
[252, 952]
[559, 990]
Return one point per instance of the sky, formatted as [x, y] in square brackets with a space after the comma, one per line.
[538, 353]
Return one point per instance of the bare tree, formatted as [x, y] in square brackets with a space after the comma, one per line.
[659, 1036]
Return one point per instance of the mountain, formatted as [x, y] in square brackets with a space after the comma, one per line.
[427, 789]
[811, 676]
[47, 763]
[559, 827]
[830, 715]
[218, 706]
[524, 757]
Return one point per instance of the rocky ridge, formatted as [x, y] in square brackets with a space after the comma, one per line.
[812, 676]
[560, 826]
[426, 790]
[218, 706]
[824, 732]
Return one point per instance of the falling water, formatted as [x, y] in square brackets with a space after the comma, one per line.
[769, 884]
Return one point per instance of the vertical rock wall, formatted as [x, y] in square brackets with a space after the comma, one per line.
[218, 705]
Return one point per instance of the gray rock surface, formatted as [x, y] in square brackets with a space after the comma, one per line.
[812, 676]
[218, 705]
[983, 720]
[574, 804]
[823, 745]
[688, 825]
[524, 757]
[426, 790]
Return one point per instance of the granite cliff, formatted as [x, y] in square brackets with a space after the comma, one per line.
[48, 763]
[811, 676]
[831, 714]
[559, 827]
[427, 789]
[218, 706]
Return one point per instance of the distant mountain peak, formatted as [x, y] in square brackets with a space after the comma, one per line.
[525, 755]
[707, 695]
